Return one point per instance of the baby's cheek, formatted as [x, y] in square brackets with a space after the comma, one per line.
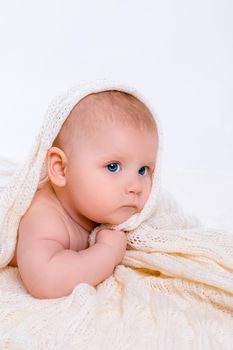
[148, 190]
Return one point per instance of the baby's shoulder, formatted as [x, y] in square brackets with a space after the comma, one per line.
[43, 220]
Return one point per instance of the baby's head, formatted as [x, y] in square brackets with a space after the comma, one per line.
[101, 163]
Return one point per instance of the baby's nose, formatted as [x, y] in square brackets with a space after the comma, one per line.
[134, 185]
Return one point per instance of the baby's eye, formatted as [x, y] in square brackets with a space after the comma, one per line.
[113, 167]
[143, 170]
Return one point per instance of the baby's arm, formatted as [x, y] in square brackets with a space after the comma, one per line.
[48, 268]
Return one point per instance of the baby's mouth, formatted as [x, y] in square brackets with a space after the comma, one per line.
[130, 207]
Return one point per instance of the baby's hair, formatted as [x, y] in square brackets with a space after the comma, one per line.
[94, 110]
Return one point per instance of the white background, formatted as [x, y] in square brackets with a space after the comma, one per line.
[179, 54]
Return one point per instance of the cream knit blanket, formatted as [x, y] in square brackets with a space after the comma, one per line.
[173, 290]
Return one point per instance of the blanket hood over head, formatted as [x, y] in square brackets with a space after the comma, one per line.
[17, 195]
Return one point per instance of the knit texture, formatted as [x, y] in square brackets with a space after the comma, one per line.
[173, 290]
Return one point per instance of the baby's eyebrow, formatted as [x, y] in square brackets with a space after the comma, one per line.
[123, 157]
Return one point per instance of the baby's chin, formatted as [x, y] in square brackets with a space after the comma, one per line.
[119, 217]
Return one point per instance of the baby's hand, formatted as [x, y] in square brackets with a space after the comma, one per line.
[116, 240]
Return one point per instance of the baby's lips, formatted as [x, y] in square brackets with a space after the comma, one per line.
[130, 206]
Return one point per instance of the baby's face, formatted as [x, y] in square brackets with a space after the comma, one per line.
[109, 177]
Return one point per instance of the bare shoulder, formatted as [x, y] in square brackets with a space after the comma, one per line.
[43, 222]
[41, 235]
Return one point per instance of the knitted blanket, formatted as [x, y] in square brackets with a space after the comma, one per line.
[173, 290]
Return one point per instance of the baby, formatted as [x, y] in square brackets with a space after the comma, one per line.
[100, 169]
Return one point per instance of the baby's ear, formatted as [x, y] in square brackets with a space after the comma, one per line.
[56, 166]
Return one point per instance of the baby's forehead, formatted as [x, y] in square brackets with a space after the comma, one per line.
[107, 108]
[112, 106]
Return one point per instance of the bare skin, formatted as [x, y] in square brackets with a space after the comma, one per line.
[66, 236]
[75, 237]
[52, 251]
